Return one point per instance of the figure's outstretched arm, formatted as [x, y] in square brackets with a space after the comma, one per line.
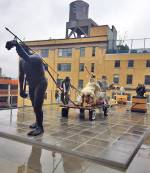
[22, 53]
[22, 50]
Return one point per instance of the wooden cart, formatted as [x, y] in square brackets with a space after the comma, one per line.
[91, 109]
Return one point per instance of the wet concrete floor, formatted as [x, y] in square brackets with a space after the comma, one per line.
[112, 140]
[21, 158]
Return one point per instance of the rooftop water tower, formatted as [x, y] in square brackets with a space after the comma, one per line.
[79, 24]
[78, 10]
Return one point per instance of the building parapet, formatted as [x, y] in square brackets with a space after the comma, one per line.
[129, 46]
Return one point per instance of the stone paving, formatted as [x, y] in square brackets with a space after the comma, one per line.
[112, 141]
[17, 157]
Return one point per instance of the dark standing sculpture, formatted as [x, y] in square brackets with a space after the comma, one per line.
[140, 90]
[65, 90]
[31, 66]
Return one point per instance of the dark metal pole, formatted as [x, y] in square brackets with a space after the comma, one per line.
[87, 70]
[42, 60]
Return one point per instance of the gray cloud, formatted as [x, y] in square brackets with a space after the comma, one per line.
[36, 19]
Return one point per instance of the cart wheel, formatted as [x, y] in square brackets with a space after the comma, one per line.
[105, 111]
[64, 112]
[82, 113]
[92, 115]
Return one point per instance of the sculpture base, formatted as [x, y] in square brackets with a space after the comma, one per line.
[139, 104]
[121, 99]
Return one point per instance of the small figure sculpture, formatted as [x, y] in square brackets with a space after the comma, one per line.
[140, 90]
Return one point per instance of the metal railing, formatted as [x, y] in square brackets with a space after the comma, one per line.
[9, 101]
[129, 46]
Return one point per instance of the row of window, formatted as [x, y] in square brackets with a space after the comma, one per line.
[6, 86]
[129, 79]
[130, 63]
[82, 66]
[3, 86]
[67, 67]
[67, 52]
[80, 83]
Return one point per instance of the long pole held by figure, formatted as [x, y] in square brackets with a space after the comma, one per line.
[16, 37]
[87, 70]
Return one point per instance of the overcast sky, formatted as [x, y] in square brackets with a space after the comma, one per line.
[42, 19]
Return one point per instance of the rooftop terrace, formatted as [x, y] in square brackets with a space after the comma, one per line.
[129, 46]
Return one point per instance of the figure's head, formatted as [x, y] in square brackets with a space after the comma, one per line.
[9, 44]
[104, 78]
[92, 78]
[139, 84]
[67, 78]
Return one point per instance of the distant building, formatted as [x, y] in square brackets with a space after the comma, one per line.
[94, 48]
[8, 92]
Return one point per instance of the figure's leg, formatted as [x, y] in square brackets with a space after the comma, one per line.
[38, 103]
[82, 100]
[105, 110]
[105, 105]
[31, 94]
[105, 99]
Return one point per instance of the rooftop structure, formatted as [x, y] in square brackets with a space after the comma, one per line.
[79, 23]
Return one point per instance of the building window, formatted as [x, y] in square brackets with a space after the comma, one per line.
[65, 52]
[148, 63]
[130, 63]
[93, 51]
[116, 79]
[3, 86]
[13, 87]
[82, 51]
[14, 100]
[117, 64]
[64, 67]
[81, 67]
[92, 67]
[80, 84]
[4, 99]
[44, 53]
[129, 79]
[147, 79]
